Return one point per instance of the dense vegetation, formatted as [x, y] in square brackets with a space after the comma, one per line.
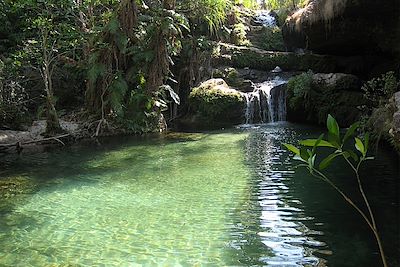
[117, 62]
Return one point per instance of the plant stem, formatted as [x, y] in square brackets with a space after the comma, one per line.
[375, 229]
[326, 179]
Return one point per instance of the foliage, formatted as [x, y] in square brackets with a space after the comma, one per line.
[205, 16]
[285, 7]
[379, 109]
[300, 88]
[250, 4]
[13, 99]
[378, 90]
[127, 48]
[238, 34]
[272, 39]
[307, 154]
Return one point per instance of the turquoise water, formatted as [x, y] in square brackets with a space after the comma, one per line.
[228, 198]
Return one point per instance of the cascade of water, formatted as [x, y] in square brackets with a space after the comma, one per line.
[267, 102]
[264, 18]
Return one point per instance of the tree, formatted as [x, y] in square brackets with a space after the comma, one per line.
[52, 36]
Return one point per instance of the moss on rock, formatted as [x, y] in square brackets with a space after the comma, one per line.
[214, 102]
[311, 97]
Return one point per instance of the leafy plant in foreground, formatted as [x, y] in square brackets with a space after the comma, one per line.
[307, 155]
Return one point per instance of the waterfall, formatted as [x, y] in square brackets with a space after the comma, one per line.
[267, 102]
[265, 18]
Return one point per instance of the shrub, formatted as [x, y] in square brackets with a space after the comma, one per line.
[378, 90]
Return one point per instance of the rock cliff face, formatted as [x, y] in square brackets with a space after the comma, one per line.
[311, 97]
[348, 27]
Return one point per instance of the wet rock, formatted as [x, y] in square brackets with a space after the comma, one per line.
[337, 81]
[258, 59]
[246, 86]
[395, 130]
[311, 97]
[214, 102]
[346, 27]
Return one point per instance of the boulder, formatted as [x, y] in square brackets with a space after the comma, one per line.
[311, 97]
[367, 28]
[395, 130]
[215, 103]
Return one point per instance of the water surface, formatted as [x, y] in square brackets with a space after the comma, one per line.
[228, 198]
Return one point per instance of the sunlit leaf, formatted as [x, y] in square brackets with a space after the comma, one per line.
[333, 126]
[311, 161]
[297, 157]
[313, 142]
[359, 146]
[292, 148]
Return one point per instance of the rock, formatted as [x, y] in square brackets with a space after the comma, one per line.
[337, 81]
[397, 100]
[277, 69]
[246, 86]
[311, 97]
[215, 103]
[347, 27]
[395, 130]
[258, 59]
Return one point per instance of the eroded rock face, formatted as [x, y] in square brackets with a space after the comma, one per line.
[347, 27]
[337, 94]
[395, 131]
[214, 102]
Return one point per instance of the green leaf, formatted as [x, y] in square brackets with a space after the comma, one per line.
[350, 131]
[359, 146]
[317, 143]
[304, 154]
[292, 148]
[352, 155]
[334, 140]
[311, 161]
[327, 161]
[333, 126]
[297, 157]
[314, 142]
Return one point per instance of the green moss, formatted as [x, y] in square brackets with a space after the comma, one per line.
[271, 38]
[311, 101]
[214, 104]
[261, 60]
[238, 34]
[299, 89]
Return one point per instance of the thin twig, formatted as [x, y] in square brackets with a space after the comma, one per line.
[56, 138]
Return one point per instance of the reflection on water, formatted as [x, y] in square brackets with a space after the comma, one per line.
[229, 198]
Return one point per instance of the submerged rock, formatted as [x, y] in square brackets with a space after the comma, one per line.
[214, 102]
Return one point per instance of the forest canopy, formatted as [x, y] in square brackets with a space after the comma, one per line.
[124, 62]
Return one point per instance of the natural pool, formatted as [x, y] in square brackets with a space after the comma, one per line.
[227, 198]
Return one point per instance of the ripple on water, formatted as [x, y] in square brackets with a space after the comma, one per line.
[222, 199]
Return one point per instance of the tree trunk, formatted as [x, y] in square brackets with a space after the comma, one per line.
[52, 123]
